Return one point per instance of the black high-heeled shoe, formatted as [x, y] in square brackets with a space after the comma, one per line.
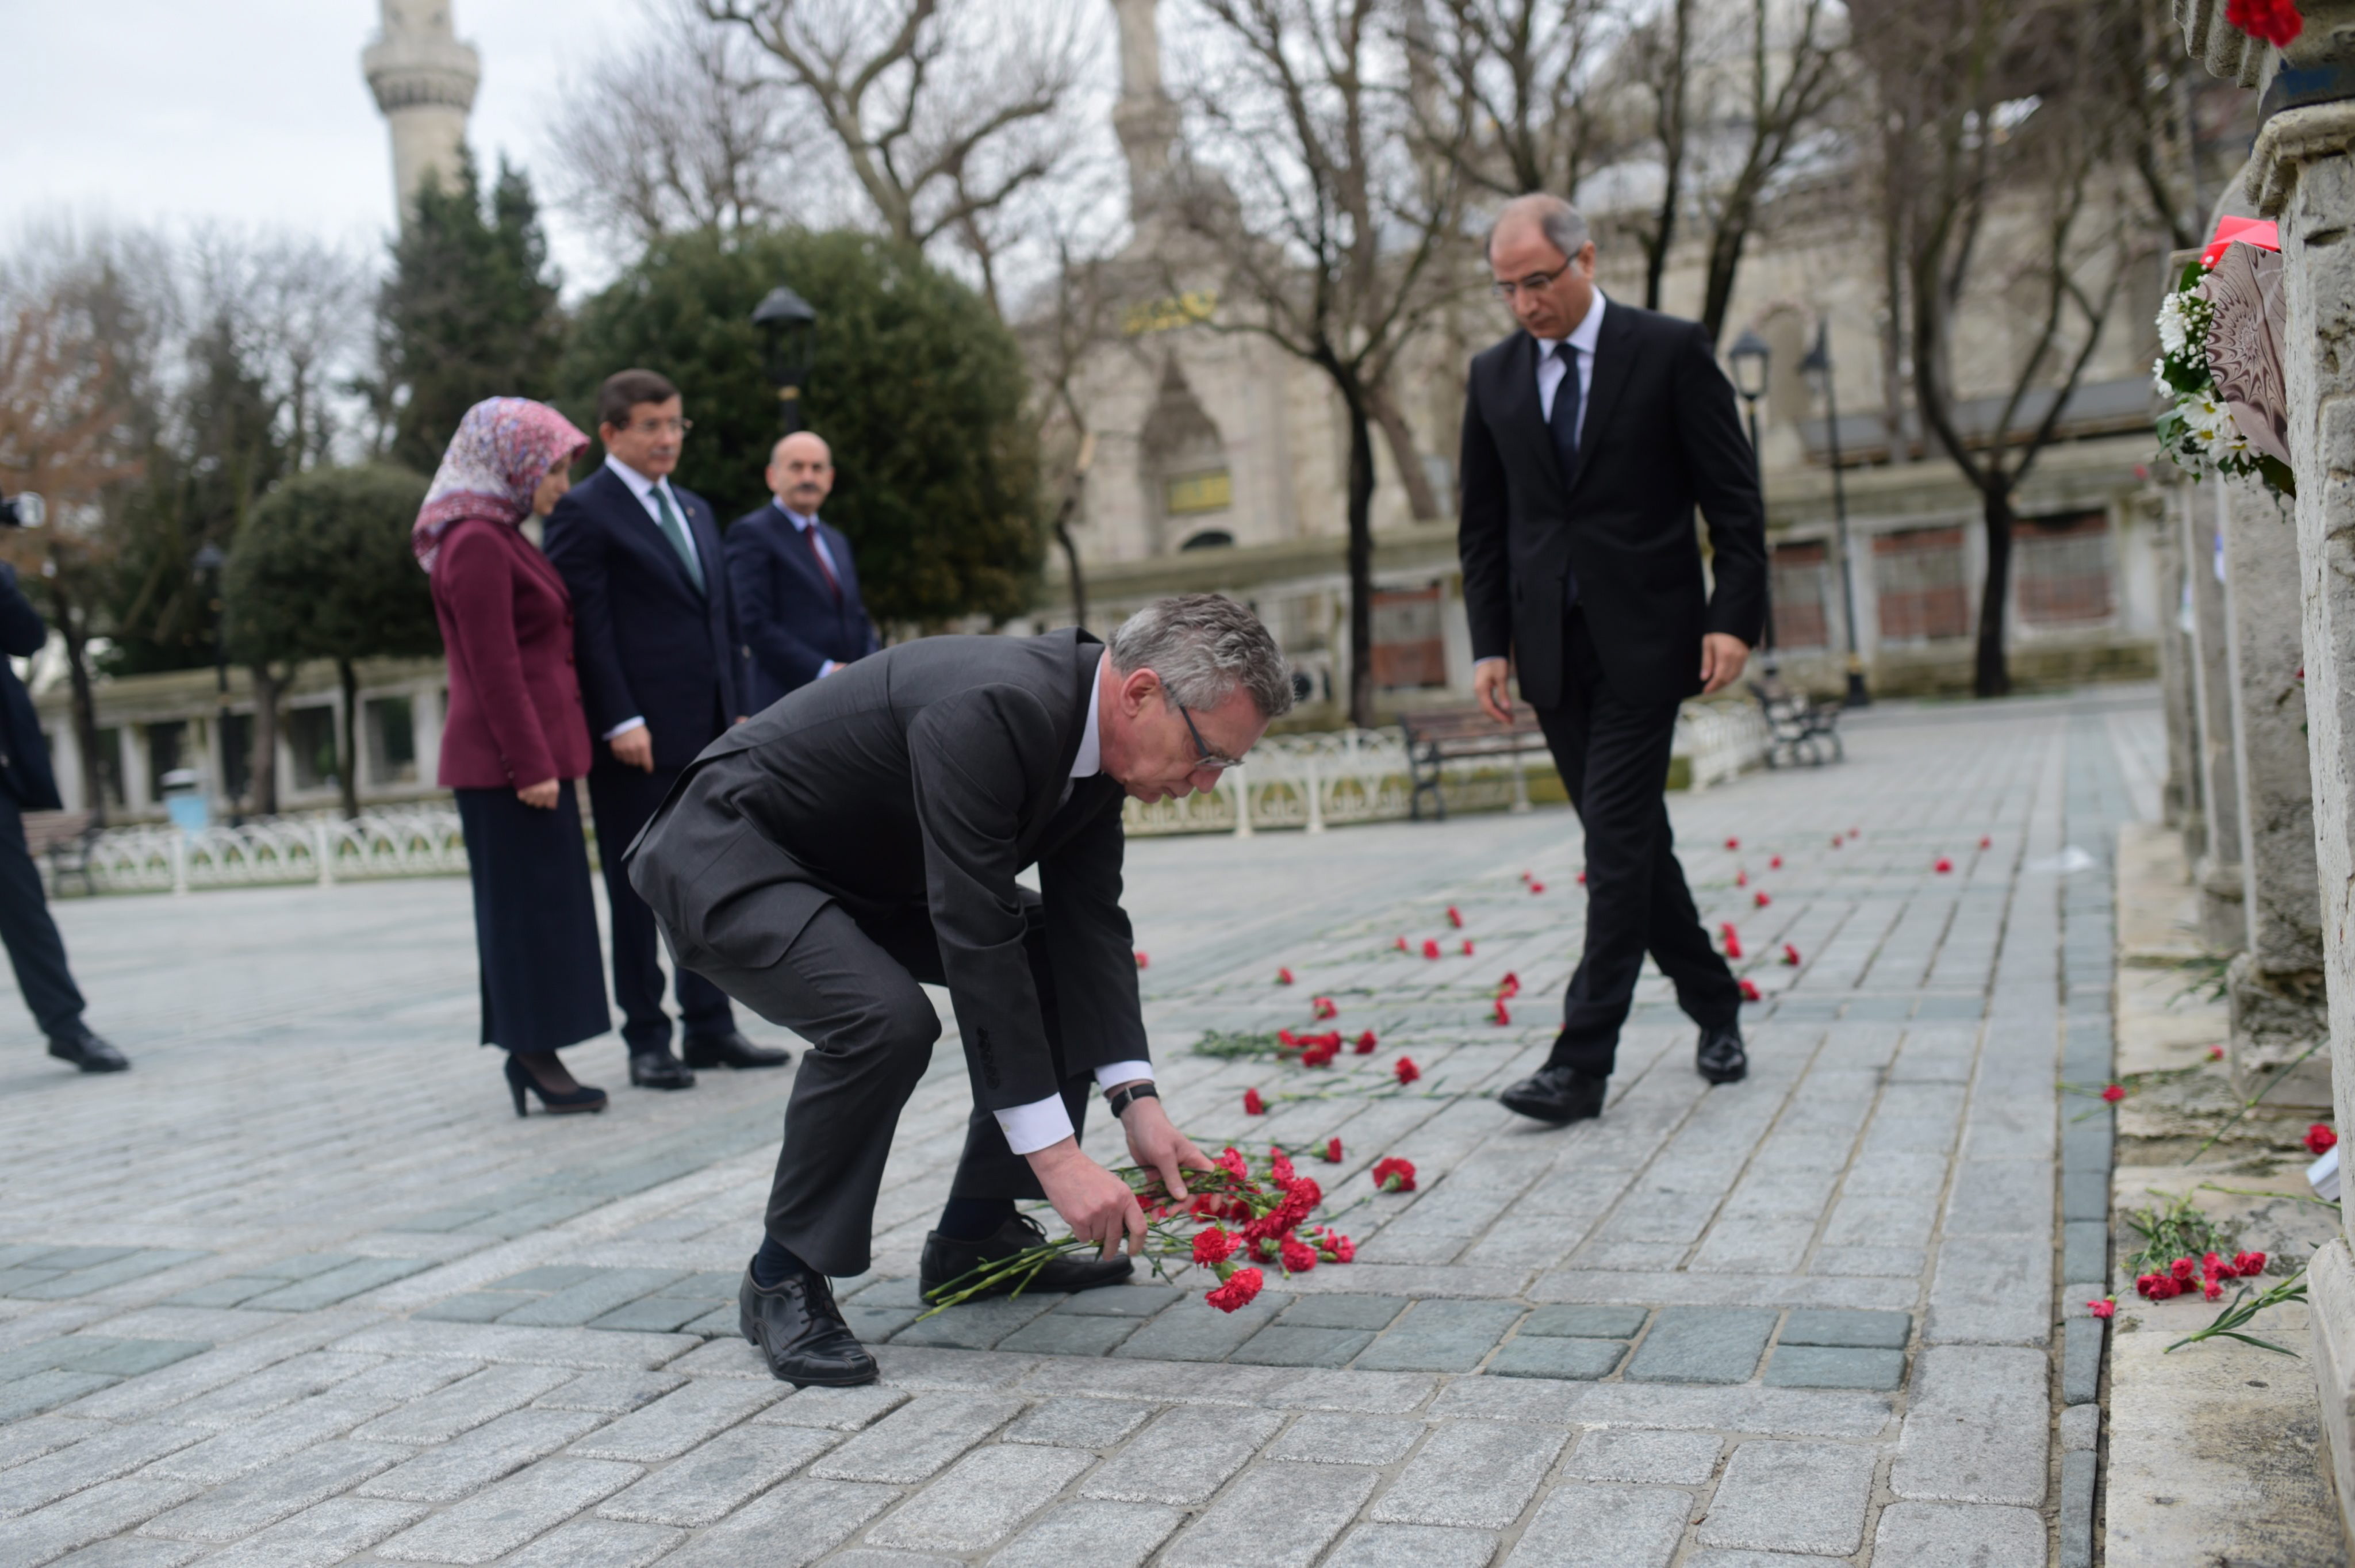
[584, 1097]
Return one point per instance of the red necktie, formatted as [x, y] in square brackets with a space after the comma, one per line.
[810, 533]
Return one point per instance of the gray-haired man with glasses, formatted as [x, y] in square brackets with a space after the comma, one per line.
[860, 838]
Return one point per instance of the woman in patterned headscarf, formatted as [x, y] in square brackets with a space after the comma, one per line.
[514, 739]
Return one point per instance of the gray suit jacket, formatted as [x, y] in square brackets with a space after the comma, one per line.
[926, 776]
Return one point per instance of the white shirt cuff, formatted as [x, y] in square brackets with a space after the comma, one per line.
[1031, 1128]
[827, 669]
[625, 727]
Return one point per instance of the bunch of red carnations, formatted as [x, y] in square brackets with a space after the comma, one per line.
[2207, 1275]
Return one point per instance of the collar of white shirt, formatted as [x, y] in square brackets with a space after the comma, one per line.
[802, 525]
[1090, 761]
[640, 485]
[1582, 336]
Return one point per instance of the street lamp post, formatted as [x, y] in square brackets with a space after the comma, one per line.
[1750, 359]
[1818, 365]
[787, 327]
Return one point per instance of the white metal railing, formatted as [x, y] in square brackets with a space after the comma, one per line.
[308, 847]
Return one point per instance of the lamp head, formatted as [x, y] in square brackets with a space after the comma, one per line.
[787, 324]
[1749, 358]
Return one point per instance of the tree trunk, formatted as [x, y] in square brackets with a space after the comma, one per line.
[1991, 675]
[348, 764]
[1361, 554]
[1422, 499]
[85, 700]
[1071, 561]
[263, 767]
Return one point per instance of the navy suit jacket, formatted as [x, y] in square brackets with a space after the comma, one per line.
[24, 756]
[650, 645]
[792, 620]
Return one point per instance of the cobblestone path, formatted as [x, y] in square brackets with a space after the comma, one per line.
[301, 1290]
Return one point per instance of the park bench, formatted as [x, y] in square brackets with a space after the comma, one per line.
[65, 840]
[1438, 736]
[1798, 728]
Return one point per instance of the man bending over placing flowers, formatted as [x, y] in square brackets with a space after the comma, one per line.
[861, 837]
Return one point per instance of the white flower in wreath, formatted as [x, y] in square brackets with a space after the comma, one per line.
[2174, 326]
[2158, 378]
[2211, 423]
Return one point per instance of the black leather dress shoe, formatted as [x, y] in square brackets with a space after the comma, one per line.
[1721, 1058]
[87, 1052]
[730, 1050]
[1557, 1095]
[800, 1332]
[947, 1260]
[660, 1070]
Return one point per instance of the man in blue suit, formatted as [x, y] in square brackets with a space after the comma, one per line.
[35, 949]
[662, 672]
[796, 587]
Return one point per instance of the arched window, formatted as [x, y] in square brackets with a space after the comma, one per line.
[1209, 539]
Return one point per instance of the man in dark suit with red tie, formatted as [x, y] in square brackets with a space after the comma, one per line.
[1590, 437]
[796, 587]
[662, 672]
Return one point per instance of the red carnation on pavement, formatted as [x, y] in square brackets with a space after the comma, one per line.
[2320, 1139]
[2248, 1266]
[1237, 1293]
[2215, 1053]
[1454, 917]
[1400, 944]
[1503, 1015]
[1323, 1007]
[1278, 1167]
[1230, 1160]
[1364, 1044]
[2182, 1268]
[1212, 1246]
[1142, 961]
[1405, 1069]
[1467, 947]
[1321, 1052]
[1986, 843]
[1299, 1257]
[1526, 875]
[1540, 887]
[2277, 22]
[1429, 947]
[1836, 840]
[1394, 1175]
[1253, 1104]
[1790, 956]
[1732, 944]
[1741, 879]
[1335, 1247]
[1733, 843]
[1750, 990]
[1284, 977]
[2213, 1290]
[1776, 864]
[1511, 986]
[1856, 832]
[2106, 1308]
[1944, 866]
[2114, 1094]
[1761, 898]
[1332, 1155]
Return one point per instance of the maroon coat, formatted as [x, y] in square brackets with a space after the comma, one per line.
[514, 714]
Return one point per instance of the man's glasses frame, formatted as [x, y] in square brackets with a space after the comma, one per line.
[1533, 283]
[660, 427]
[1206, 760]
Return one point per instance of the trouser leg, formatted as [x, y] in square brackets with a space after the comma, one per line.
[35, 951]
[623, 800]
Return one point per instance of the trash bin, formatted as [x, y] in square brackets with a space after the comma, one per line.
[185, 802]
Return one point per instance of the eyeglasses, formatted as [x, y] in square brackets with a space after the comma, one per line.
[662, 427]
[1205, 758]
[1534, 283]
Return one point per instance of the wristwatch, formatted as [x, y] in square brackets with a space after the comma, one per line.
[1120, 1099]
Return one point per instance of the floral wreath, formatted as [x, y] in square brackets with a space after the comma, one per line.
[2198, 429]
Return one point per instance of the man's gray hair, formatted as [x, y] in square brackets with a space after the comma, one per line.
[1203, 645]
[1562, 225]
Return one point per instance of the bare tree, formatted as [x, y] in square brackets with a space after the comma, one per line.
[1078, 317]
[946, 110]
[684, 131]
[2003, 178]
[1331, 225]
[1659, 58]
[1527, 71]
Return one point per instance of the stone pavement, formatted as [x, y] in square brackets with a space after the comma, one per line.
[301, 1290]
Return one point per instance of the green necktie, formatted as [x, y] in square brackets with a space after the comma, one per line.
[677, 537]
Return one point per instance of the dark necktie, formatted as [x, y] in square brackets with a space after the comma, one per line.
[668, 520]
[819, 555]
[1563, 426]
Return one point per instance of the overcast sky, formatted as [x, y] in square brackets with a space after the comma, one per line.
[253, 112]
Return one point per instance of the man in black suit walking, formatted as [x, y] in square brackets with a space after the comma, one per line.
[1589, 437]
[796, 587]
[662, 665]
[863, 836]
[34, 950]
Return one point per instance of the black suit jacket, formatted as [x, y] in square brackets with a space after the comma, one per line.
[1660, 435]
[24, 756]
[650, 646]
[792, 620]
[925, 778]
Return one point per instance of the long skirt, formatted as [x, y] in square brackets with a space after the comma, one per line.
[534, 921]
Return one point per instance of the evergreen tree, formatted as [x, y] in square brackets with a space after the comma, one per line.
[916, 386]
[470, 311]
[324, 571]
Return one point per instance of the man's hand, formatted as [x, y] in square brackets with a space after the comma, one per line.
[1721, 659]
[1488, 684]
[541, 794]
[634, 748]
[1096, 1204]
[1156, 1146]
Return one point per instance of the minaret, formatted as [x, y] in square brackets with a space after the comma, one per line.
[1144, 118]
[423, 78]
